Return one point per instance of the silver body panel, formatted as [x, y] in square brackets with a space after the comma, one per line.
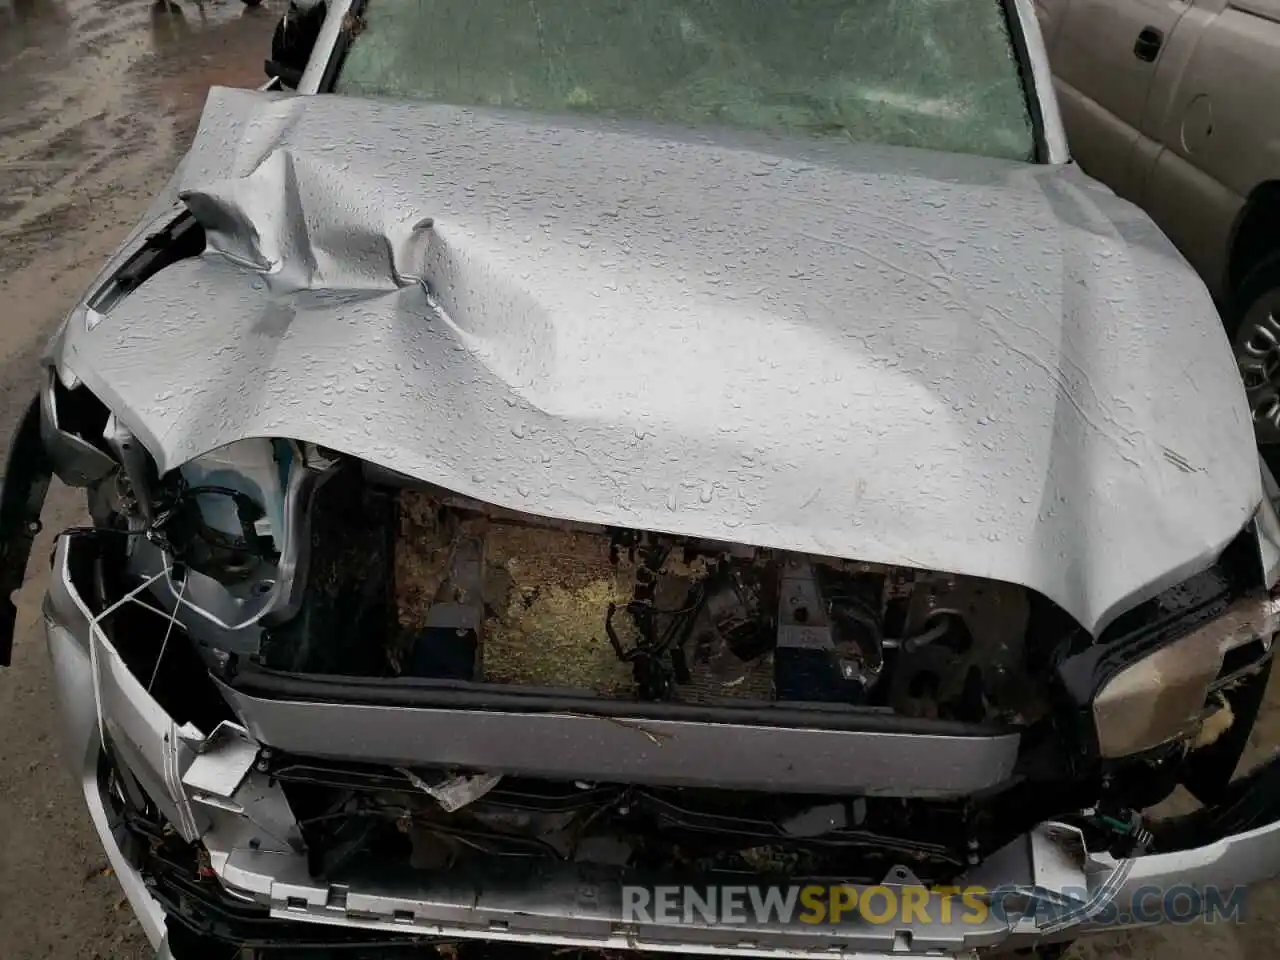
[894, 356]
[73, 685]
[248, 829]
[570, 746]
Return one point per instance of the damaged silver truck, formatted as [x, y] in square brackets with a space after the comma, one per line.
[563, 449]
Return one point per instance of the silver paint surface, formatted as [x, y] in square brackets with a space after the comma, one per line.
[976, 366]
[676, 752]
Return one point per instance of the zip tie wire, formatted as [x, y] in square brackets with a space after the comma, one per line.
[96, 635]
[212, 618]
[164, 645]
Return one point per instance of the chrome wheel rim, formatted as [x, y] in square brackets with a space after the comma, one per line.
[1257, 348]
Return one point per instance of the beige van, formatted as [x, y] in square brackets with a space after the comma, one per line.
[1175, 104]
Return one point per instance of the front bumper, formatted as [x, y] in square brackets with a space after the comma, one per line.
[208, 789]
[73, 684]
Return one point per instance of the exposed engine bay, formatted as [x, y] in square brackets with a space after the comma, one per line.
[483, 594]
[400, 582]
[407, 581]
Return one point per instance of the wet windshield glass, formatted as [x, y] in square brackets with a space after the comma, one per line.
[938, 74]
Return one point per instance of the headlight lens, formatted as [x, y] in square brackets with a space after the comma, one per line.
[1161, 697]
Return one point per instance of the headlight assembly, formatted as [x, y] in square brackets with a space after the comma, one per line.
[1161, 697]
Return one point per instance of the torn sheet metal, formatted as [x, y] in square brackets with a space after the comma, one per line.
[454, 793]
[982, 367]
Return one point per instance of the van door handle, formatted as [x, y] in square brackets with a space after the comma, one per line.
[1147, 46]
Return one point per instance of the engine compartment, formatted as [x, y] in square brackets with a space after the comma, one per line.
[488, 595]
[285, 556]
[406, 581]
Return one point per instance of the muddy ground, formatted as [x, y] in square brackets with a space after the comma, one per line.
[98, 98]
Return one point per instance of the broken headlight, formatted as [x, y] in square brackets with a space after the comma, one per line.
[1160, 669]
[1161, 697]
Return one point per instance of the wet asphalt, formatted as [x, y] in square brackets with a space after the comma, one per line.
[98, 100]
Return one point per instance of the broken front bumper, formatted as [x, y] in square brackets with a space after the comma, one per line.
[208, 787]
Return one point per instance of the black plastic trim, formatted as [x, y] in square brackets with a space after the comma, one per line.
[1027, 74]
[23, 488]
[415, 692]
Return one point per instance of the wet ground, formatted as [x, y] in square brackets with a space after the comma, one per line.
[98, 99]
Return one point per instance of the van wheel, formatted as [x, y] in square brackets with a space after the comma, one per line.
[1254, 329]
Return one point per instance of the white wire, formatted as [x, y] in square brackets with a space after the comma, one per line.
[164, 644]
[212, 618]
[154, 609]
[96, 632]
[127, 597]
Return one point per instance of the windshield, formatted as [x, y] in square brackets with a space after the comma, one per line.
[937, 74]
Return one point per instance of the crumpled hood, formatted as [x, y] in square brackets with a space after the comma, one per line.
[987, 368]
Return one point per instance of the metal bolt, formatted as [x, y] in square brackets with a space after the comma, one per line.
[262, 766]
[973, 852]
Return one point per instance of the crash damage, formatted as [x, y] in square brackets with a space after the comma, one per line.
[455, 566]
